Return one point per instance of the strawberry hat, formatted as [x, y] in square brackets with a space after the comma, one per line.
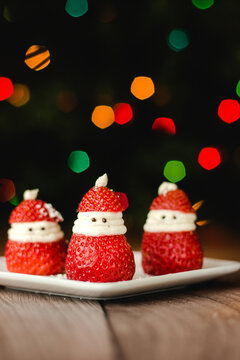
[32, 209]
[100, 198]
[171, 198]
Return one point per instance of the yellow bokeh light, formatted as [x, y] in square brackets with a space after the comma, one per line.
[103, 116]
[37, 57]
[142, 87]
[20, 96]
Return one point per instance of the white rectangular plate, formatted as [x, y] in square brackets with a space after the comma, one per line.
[141, 283]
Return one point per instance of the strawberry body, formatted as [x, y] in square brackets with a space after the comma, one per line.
[171, 252]
[99, 258]
[36, 258]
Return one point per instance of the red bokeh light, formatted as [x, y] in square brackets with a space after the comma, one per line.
[123, 113]
[123, 199]
[7, 190]
[229, 110]
[6, 88]
[209, 158]
[164, 124]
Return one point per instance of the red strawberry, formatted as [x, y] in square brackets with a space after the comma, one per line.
[170, 243]
[164, 253]
[99, 258]
[36, 243]
[100, 198]
[36, 258]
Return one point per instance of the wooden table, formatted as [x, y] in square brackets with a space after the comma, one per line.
[196, 322]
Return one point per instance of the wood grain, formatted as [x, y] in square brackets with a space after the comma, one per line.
[201, 322]
[38, 327]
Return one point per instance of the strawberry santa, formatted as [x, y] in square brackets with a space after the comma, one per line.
[170, 242]
[98, 250]
[36, 244]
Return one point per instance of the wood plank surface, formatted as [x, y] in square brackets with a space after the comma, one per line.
[35, 327]
[199, 322]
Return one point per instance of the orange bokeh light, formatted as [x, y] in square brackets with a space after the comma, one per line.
[142, 87]
[20, 96]
[37, 57]
[103, 116]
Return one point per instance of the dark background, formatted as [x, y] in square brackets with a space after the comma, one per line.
[97, 56]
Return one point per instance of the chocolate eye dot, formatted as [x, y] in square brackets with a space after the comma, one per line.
[42, 228]
[30, 229]
[93, 219]
[174, 217]
[104, 220]
[163, 217]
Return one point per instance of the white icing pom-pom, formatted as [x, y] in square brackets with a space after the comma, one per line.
[102, 181]
[30, 194]
[165, 187]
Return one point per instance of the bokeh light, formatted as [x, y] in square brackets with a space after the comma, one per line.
[203, 4]
[209, 158]
[238, 88]
[7, 190]
[78, 161]
[37, 57]
[123, 199]
[20, 96]
[7, 14]
[178, 39]
[123, 113]
[6, 88]
[14, 201]
[164, 124]
[76, 8]
[103, 116]
[67, 101]
[174, 171]
[142, 87]
[162, 95]
[229, 110]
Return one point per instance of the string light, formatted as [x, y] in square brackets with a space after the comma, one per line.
[164, 124]
[142, 87]
[229, 110]
[203, 4]
[209, 158]
[20, 96]
[78, 161]
[103, 116]
[178, 39]
[174, 171]
[76, 8]
[7, 190]
[37, 57]
[123, 113]
[6, 88]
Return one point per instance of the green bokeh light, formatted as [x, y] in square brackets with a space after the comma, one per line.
[14, 201]
[78, 161]
[178, 39]
[76, 8]
[174, 171]
[238, 89]
[203, 4]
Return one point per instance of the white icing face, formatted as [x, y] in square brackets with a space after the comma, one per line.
[96, 223]
[169, 221]
[37, 231]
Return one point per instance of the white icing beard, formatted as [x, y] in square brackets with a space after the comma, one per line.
[169, 221]
[97, 223]
[37, 231]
